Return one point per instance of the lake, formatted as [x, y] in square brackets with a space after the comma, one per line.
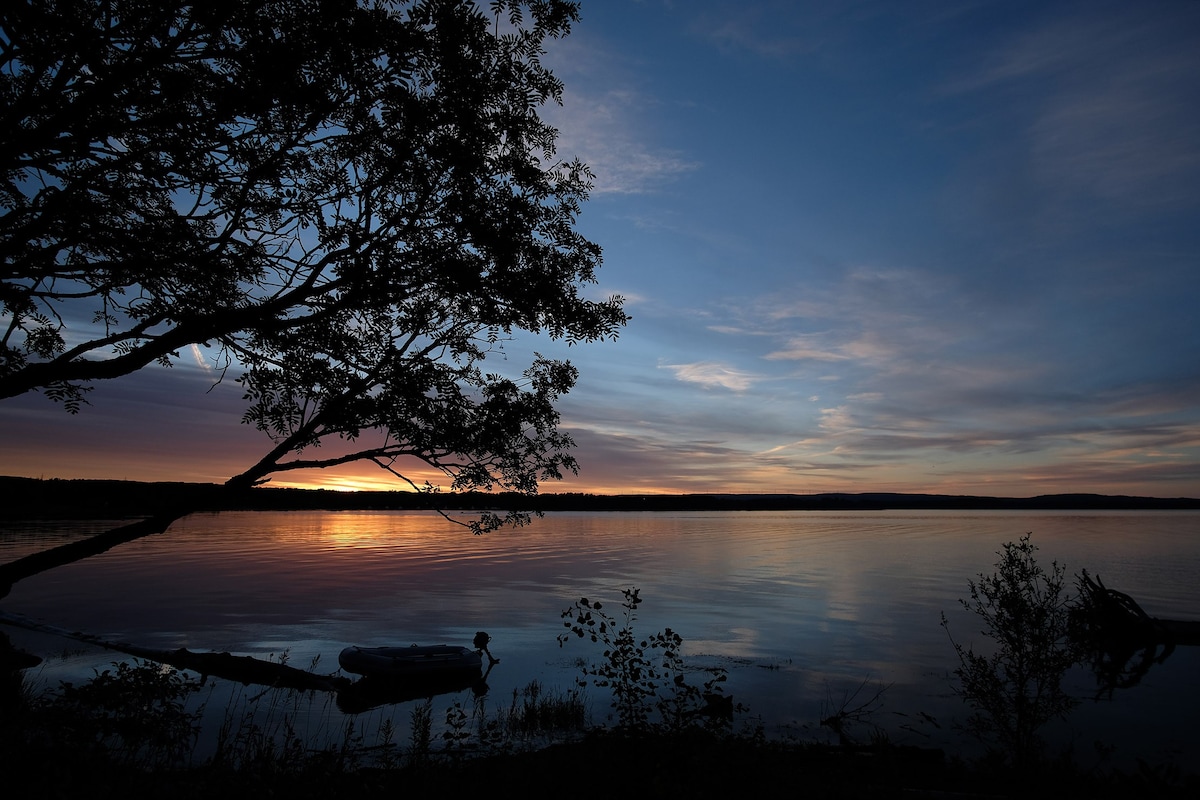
[801, 608]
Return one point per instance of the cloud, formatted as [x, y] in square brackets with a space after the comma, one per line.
[868, 347]
[916, 371]
[605, 123]
[155, 424]
[621, 164]
[1135, 144]
[783, 30]
[892, 321]
[807, 347]
[710, 374]
[602, 294]
[749, 30]
[1108, 102]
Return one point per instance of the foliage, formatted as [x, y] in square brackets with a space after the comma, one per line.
[1016, 687]
[456, 734]
[136, 713]
[349, 204]
[854, 708]
[647, 677]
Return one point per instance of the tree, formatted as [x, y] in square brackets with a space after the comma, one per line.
[351, 203]
[1016, 688]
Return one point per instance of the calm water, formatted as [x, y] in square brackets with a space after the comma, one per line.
[800, 607]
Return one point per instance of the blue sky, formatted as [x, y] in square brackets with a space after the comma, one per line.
[927, 247]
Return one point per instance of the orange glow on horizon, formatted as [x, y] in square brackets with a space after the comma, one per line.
[991, 480]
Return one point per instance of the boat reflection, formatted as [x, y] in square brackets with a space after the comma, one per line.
[374, 691]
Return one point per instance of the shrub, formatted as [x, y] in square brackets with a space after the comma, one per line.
[1016, 687]
[647, 677]
[136, 712]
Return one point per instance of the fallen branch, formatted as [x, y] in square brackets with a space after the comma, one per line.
[1116, 614]
[242, 669]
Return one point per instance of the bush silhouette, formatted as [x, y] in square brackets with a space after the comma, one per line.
[1015, 686]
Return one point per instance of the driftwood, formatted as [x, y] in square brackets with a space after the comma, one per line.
[242, 669]
[1119, 638]
[1118, 614]
[353, 697]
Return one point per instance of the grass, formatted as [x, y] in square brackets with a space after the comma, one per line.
[133, 729]
[536, 713]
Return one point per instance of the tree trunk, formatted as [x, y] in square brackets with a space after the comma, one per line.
[30, 565]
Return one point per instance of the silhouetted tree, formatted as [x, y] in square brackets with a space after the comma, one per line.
[350, 203]
[1014, 684]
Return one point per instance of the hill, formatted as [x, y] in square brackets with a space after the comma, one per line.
[32, 498]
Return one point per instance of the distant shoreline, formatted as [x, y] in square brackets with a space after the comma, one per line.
[34, 498]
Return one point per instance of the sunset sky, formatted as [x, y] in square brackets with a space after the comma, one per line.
[867, 246]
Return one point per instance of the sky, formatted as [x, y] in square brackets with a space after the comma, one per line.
[866, 246]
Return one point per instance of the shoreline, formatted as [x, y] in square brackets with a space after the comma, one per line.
[58, 498]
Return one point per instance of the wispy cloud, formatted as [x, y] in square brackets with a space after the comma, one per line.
[1113, 113]
[914, 371]
[752, 30]
[603, 293]
[621, 164]
[803, 348]
[603, 121]
[711, 375]
[810, 347]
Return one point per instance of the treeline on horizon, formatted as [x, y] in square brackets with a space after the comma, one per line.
[34, 498]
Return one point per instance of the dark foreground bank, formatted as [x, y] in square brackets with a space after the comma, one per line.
[606, 765]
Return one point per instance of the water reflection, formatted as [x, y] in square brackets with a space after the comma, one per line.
[1118, 639]
[799, 606]
[373, 692]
